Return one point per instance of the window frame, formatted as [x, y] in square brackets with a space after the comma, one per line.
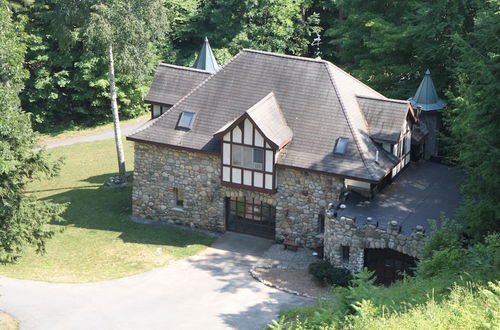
[341, 149]
[238, 153]
[184, 126]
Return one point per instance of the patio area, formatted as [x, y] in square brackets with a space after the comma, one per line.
[423, 191]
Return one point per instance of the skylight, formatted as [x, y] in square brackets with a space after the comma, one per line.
[341, 145]
[186, 120]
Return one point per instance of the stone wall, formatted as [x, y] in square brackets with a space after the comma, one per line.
[344, 232]
[158, 170]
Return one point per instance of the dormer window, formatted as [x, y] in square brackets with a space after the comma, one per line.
[186, 120]
[341, 145]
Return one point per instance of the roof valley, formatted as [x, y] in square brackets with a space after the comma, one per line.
[348, 119]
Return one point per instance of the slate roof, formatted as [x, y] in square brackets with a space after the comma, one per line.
[426, 95]
[318, 100]
[172, 82]
[268, 117]
[206, 59]
[385, 117]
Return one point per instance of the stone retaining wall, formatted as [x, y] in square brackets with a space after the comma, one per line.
[158, 170]
[344, 232]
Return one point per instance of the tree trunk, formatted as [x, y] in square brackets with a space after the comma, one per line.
[116, 119]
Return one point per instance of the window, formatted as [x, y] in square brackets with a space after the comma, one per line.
[158, 110]
[186, 120]
[248, 208]
[179, 197]
[248, 157]
[345, 253]
[321, 222]
[341, 145]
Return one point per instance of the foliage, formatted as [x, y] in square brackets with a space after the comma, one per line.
[437, 287]
[23, 219]
[473, 119]
[327, 274]
[270, 25]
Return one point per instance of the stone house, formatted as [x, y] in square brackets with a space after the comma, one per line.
[265, 146]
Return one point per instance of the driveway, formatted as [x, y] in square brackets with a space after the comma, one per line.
[212, 290]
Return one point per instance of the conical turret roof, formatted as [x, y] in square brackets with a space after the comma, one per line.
[206, 59]
[426, 95]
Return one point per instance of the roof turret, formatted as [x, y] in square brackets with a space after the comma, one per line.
[426, 96]
[206, 59]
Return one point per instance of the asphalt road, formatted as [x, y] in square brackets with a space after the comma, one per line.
[212, 290]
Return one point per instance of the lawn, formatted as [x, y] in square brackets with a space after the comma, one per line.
[98, 241]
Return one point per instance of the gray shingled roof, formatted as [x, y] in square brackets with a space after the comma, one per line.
[385, 117]
[317, 99]
[172, 82]
[267, 116]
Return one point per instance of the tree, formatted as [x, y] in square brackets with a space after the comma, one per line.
[23, 219]
[374, 42]
[473, 119]
[129, 29]
[283, 26]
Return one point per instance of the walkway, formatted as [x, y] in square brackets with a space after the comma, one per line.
[212, 290]
[126, 129]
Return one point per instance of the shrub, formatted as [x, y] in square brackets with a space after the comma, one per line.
[327, 274]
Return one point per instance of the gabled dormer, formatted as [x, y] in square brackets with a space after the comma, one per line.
[251, 144]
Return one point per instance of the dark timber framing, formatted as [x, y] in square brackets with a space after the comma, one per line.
[236, 177]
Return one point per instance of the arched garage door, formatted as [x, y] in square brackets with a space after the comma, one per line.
[388, 265]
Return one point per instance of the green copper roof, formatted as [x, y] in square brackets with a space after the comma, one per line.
[426, 95]
[206, 60]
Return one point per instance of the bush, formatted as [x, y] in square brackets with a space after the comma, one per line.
[327, 274]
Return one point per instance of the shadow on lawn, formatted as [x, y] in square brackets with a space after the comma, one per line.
[100, 208]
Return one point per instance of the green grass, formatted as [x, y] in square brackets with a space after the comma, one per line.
[62, 132]
[98, 241]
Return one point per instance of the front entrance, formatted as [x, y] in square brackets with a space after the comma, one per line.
[247, 216]
[388, 265]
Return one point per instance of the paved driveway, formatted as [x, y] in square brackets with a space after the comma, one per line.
[212, 290]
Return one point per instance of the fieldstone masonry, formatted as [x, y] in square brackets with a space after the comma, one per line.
[344, 232]
[158, 170]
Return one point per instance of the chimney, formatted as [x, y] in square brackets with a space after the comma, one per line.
[376, 156]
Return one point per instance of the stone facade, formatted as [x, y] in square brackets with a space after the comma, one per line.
[344, 232]
[160, 170]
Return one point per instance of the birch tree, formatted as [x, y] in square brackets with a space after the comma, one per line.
[127, 31]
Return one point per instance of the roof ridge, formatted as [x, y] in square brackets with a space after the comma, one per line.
[293, 57]
[351, 128]
[354, 79]
[383, 99]
[180, 67]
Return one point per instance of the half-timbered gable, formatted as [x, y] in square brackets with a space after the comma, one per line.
[251, 143]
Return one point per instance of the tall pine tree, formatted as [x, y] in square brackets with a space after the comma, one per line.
[23, 219]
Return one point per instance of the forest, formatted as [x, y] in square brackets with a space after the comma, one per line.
[54, 76]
